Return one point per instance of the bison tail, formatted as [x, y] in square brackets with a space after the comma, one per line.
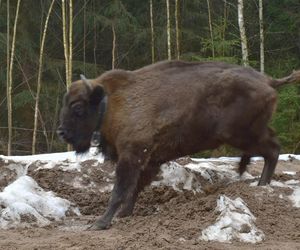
[292, 78]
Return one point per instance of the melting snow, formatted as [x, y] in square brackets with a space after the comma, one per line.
[189, 177]
[54, 158]
[174, 175]
[292, 184]
[25, 198]
[209, 171]
[235, 222]
[282, 157]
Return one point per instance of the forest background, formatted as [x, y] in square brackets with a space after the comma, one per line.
[47, 44]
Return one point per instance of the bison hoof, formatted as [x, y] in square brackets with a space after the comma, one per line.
[262, 183]
[99, 225]
[124, 213]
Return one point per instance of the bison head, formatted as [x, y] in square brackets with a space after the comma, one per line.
[81, 114]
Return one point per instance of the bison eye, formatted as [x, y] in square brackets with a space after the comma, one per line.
[78, 110]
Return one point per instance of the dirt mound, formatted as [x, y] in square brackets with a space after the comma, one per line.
[88, 188]
[164, 218]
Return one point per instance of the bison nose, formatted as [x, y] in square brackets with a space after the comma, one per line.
[61, 133]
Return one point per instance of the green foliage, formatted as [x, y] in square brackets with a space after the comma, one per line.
[287, 121]
[223, 46]
[22, 98]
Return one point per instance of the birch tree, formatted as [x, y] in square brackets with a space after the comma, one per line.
[65, 42]
[70, 40]
[243, 32]
[210, 29]
[37, 98]
[225, 14]
[68, 44]
[152, 32]
[113, 50]
[84, 36]
[168, 30]
[261, 35]
[9, 87]
[177, 4]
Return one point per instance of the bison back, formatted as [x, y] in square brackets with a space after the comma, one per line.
[179, 108]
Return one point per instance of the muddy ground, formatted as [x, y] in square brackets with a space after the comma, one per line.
[163, 218]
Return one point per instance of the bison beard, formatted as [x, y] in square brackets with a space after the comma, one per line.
[168, 110]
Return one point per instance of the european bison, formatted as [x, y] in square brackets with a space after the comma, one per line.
[168, 110]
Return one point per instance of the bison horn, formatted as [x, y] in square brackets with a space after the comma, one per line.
[86, 82]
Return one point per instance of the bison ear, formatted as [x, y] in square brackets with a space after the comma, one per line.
[97, 95]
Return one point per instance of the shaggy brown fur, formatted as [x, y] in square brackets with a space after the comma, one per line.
[168, 110]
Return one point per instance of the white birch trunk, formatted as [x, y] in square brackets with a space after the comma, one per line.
[37, 98]
[152, 32]
[9, 92]
[211, 30]
[113, 51]
[224, 27]
[65, 42]
[261, 35]
[84, 35]
[168, 30]
[70, 41]
[177, 29]
[243, 32]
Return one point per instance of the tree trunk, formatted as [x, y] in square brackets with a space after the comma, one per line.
[84, 35]
[168, 30]
[56, 113]
[113, 51]
[65, 41]
[37, 98]
[152, 32]
[211, 30]
[8, 89]
[224, 27]
[95, 38]
[243, 32]
[9, 95]
[70, 41]
[261, 33]
[177, 4]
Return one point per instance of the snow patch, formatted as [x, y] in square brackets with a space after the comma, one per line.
[209, 171]
[177, 177]
[292, 184]
[289, 172]
[295, 197]
[25, 200]
[58, 157]
[193, 176]
[235, 222]
[282, 157]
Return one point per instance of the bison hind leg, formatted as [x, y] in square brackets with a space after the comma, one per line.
[270, 152]
[245, 160]
[268, 147]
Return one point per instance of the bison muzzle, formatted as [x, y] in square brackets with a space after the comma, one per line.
[169, 110]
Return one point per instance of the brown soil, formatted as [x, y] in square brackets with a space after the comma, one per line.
[163, 218]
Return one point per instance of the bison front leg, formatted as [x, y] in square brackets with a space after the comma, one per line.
[146, 177]
[127, 176]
